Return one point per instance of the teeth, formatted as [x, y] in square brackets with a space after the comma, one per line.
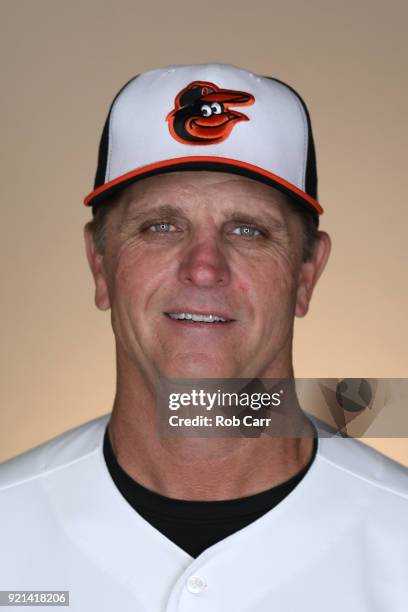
[210, 318]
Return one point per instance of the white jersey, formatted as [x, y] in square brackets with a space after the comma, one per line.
[338, 541]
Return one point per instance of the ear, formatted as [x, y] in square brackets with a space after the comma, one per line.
[310, 272]
[96, 264]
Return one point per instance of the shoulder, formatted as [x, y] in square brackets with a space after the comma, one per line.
[358, 461]
[57, 453]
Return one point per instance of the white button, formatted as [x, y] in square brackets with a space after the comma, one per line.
[196, 584]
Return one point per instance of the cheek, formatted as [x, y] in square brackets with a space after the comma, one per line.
[244, 287]
[138, 275]
[284, 277]
[274, 285]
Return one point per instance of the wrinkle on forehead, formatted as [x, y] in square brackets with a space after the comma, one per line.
[204, 188]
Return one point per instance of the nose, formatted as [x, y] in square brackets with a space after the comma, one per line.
[204, 261]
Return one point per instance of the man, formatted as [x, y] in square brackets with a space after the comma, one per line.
[204, 246]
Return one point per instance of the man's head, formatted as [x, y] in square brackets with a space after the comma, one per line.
[209, 243]
[205, 201]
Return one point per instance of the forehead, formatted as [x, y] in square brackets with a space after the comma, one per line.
[217, 189]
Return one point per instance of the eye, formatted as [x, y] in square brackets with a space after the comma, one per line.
[162, 227]
[206, 110]
[248, 231]
[216, 108]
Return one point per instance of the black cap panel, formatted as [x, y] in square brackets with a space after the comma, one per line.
[311, 168]
[104, 142]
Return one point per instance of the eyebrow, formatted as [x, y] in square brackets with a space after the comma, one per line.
[165, 210]
[261, 218]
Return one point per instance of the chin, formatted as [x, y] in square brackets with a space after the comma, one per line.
[198, 366]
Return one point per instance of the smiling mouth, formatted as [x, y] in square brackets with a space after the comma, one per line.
[207, 319]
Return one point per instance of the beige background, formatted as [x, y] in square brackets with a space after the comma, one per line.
[62, 64]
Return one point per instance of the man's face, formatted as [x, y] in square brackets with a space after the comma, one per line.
[205, 243]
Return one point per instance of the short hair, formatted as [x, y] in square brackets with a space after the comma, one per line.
[310, 225]
[99, 220]
[102, 211]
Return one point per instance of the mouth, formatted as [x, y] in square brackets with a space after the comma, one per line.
[202, 319]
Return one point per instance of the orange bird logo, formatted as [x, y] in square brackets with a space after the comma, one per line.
[202, 113]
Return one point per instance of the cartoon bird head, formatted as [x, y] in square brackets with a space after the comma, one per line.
[202, 113]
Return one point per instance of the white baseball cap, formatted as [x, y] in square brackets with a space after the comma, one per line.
[214, 117]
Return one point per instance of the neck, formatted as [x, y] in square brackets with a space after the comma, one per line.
[206, 469]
